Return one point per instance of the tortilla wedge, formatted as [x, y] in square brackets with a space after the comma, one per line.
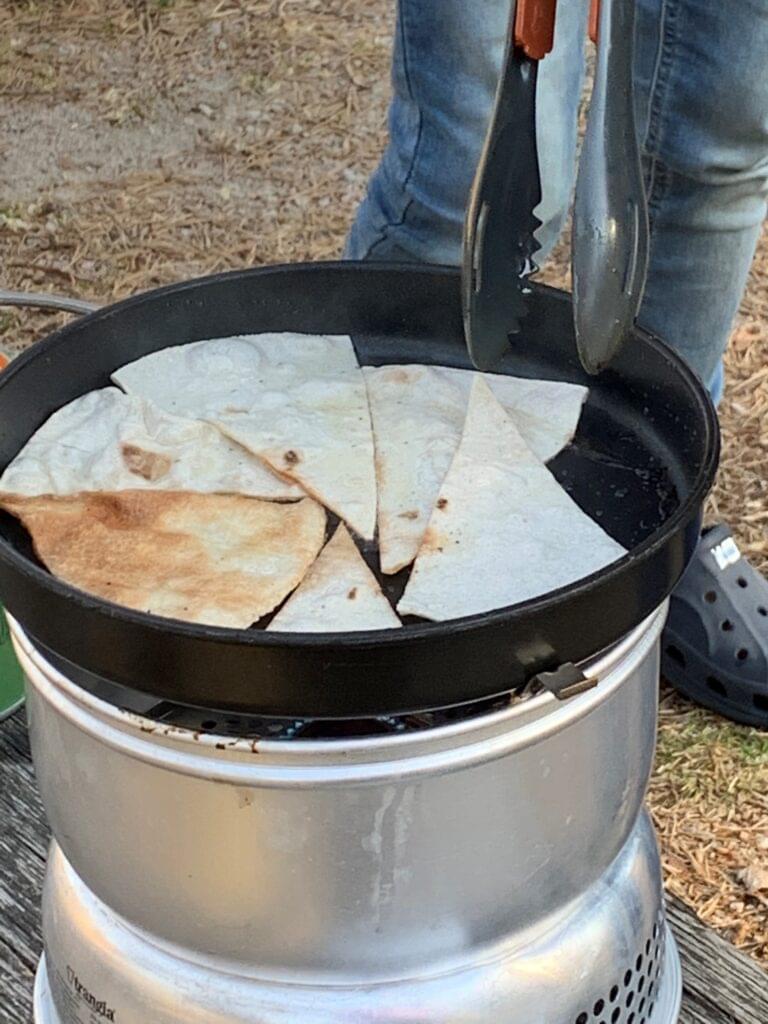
[109, 441]
[338, 594]
[503, 530]
[224, 560]
[418, 414]
[296, 401]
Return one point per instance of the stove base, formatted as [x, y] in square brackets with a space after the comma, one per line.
[666, 1010]
[606, 959]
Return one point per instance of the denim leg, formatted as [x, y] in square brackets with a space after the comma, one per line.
[445, 69]
[702, 91]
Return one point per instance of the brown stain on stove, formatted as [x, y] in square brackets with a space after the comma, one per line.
[442, 503]
[410, 514]
[352, 594]
[291, 458]
[141, 462]
[244, 798]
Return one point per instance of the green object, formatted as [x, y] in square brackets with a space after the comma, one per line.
[11, 677]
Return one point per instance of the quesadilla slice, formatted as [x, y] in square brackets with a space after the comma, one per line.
[339, 594]
[224, 560]
[109, 441]
[296, 401]
[418, 414]
[502, 530]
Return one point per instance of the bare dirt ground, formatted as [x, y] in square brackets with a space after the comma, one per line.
[145, 141]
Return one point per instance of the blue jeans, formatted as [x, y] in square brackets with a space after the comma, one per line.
[701, 82]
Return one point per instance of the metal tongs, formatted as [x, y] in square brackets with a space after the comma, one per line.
[610, 223]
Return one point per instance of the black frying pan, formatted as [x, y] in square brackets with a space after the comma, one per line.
[642, 462]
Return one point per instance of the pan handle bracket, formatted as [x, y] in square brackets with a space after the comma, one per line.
[564, 682]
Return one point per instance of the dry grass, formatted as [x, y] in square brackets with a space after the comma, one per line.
[146, 141]
[709, 799]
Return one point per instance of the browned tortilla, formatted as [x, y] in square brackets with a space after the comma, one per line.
[219, 559]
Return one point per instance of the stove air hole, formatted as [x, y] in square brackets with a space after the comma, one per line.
[762, 611]
[626, 1001]
[760, 701]
[710, 597]
[208, 726]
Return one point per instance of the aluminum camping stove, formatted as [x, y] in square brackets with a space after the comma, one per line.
[495, 867]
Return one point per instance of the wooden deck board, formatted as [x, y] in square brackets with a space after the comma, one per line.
[722, 986]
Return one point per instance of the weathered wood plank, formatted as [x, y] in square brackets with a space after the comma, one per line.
[722, 986]
[23, 843]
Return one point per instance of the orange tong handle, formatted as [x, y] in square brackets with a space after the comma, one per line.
[594, 19]
[535, 27]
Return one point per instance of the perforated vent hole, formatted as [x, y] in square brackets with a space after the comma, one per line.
[630, 1000]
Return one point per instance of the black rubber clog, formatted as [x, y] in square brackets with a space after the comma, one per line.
[715, 644]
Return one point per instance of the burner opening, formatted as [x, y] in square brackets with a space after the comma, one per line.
[252, 727]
